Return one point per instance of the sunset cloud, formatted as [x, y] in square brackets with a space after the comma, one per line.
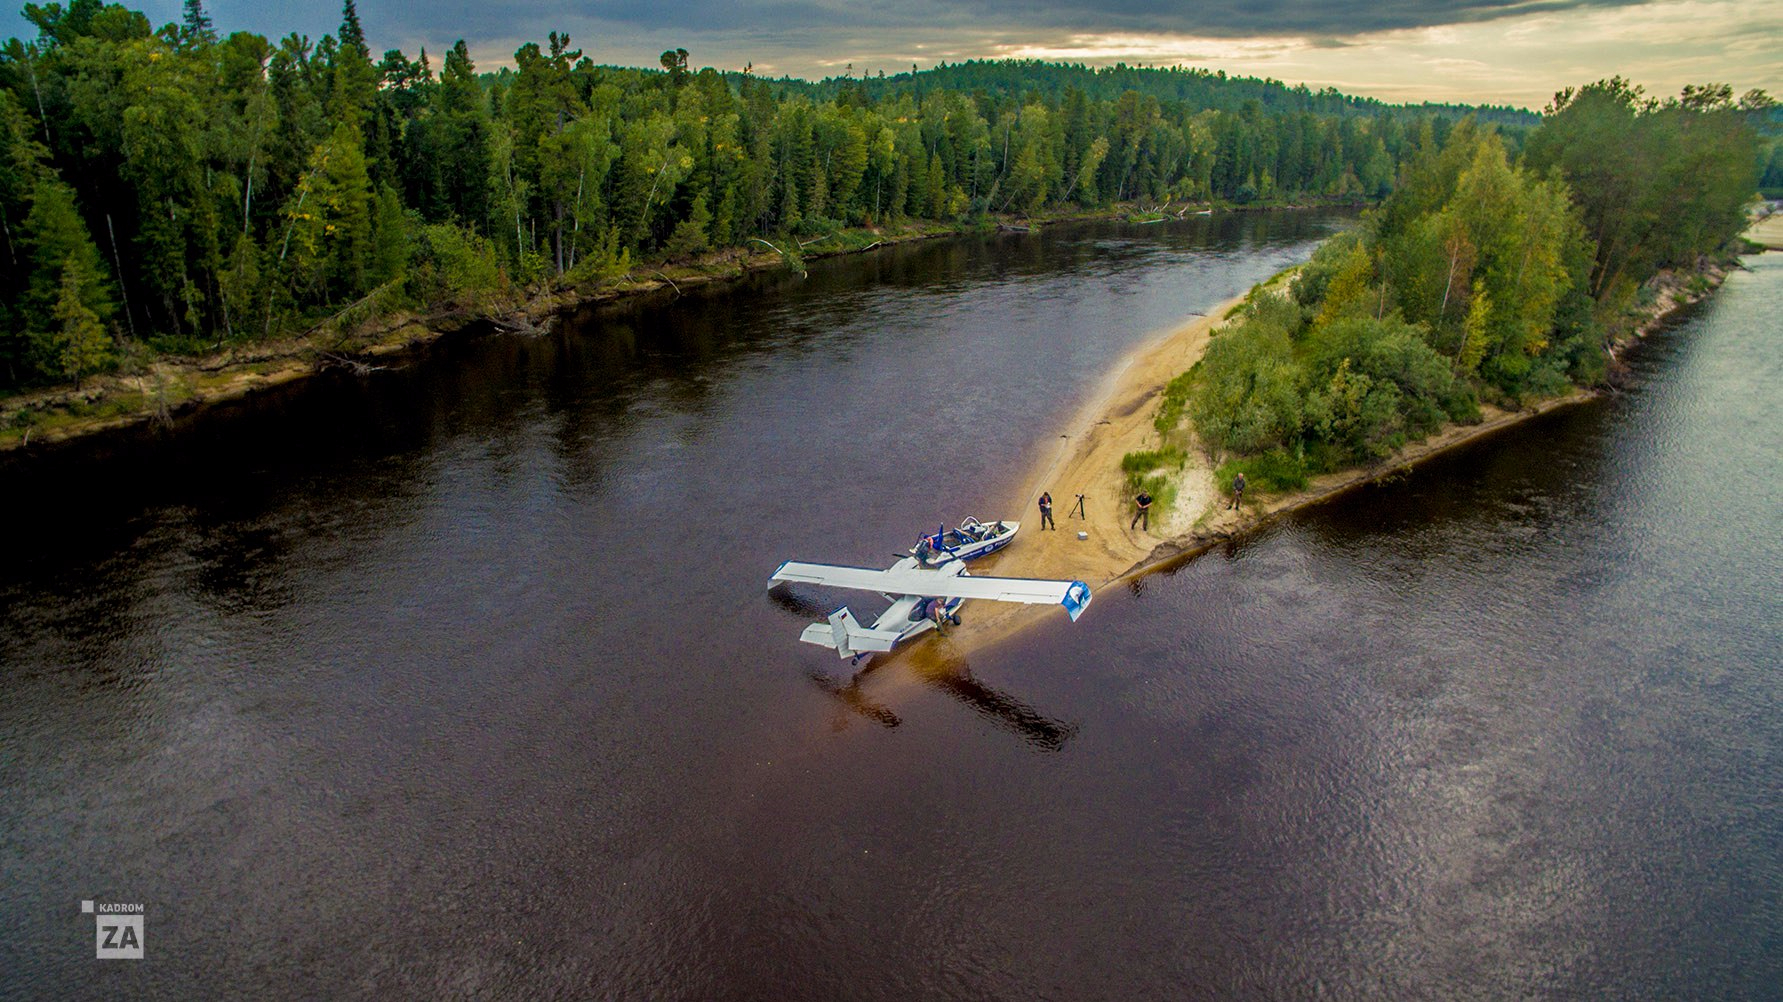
[1475, 51]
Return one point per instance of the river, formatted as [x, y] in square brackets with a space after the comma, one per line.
[461, 679]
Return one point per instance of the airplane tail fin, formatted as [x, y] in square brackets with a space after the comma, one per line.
[849, 638]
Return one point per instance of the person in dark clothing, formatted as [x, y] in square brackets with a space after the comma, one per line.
[1046, 511]
[1142, 516]
[1237, 490]
[938, 611]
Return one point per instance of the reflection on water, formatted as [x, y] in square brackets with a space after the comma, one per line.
[1000, 708]
[1506, 727]
[462, 679]
[934, 665]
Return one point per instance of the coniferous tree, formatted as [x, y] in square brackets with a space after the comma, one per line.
[209, 189]
[196, 27]
[463, 121]
[353, 78]
[56, 235]
[80, 345]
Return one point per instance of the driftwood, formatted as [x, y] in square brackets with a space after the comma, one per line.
[356, 366]
[789, 263]
[519, 324]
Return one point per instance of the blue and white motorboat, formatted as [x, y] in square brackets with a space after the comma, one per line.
[971, 540]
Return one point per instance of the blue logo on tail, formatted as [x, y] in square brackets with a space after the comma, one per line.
[1076, 600]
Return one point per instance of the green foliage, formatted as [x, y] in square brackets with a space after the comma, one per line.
[239, 287]
[233, 186]
[1377, 385]
[1151, 471]
[327, 247]
[391, 242]
[1276, 471]
[1479, 254]
[1272, 310]
[1247, 390]
[1349, 291]
[241, 185]
[691, 234]
[1656, 183]
[81, 344]
[354, 81]
[1170, 406]
[1169, 457]
[1328, 259]
[1477, 276]
[180, 344]
[452, 263]
[607, 259]
[1158, 485]
[57, 240]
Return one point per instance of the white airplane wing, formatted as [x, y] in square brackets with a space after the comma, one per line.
[835, 576]
[1073, 595]
[944, 583]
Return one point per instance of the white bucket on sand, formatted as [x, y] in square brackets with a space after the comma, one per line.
[1082, 535]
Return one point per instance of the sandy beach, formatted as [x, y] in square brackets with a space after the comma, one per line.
[1118, 420]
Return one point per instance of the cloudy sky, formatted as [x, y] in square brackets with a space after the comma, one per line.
[1474, 51]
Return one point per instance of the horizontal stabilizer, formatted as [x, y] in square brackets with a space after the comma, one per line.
[872, 640]
[847, 636]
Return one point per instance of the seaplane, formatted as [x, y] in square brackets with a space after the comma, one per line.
[922, 599]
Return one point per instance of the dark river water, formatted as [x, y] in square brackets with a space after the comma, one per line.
[462, 680]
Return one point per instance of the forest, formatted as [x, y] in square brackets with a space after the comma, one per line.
[1484, 277]
[174, 190]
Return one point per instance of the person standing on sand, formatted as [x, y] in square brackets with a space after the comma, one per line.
[1046, 511]
[1237, 490]
[1143, 512]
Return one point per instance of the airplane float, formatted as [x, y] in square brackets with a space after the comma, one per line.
[921, 598]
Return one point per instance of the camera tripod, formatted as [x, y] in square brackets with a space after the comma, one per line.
[1077, 510]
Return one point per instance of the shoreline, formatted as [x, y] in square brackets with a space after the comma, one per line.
[1115, 553]
[1767, 231]
[181, 385]
[175, 386]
